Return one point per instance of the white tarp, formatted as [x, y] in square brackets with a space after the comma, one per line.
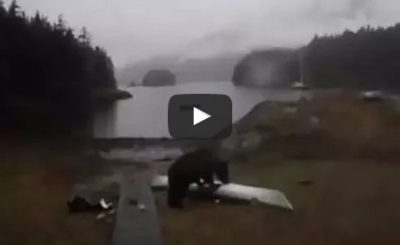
[239, 192]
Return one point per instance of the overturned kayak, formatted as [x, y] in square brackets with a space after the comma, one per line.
[236, 192]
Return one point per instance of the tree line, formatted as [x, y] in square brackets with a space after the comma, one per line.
[365, 59]
[48, 74]
[368, 58]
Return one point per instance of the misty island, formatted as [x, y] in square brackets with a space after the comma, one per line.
[157, 78]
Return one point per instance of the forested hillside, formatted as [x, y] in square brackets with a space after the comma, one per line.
[365, 59]
[48, 73]
[368, 58]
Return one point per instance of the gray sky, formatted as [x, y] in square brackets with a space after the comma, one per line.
[131, 30]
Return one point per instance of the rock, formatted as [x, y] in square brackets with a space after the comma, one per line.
[159, 78]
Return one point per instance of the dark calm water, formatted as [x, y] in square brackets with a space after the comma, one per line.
[146, 115]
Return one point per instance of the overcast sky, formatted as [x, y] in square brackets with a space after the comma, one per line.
[131, 30]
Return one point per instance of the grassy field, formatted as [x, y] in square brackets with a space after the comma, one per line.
[348, 203]
[35, 182]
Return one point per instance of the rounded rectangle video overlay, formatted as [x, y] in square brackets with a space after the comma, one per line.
[200, 116]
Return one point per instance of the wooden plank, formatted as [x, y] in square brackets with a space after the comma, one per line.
[133, 225]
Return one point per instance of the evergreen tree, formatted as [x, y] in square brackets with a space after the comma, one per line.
[61, 25]
[14, 9]
[47, 74]
[366, 59]
[2, 9]
[84, 36]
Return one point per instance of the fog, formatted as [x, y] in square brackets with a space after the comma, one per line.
[132, 30]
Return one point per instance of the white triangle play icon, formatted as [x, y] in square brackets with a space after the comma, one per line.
[199, 116]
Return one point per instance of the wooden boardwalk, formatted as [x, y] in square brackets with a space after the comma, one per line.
[134, 226]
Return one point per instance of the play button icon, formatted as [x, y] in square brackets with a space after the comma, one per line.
[200, 116]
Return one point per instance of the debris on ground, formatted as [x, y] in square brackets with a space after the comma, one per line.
[104, 204]
[135, 202]
[79, 204]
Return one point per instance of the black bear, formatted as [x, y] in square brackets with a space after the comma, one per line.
[194, 167]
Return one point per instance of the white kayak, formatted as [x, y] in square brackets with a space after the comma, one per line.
[238, 192]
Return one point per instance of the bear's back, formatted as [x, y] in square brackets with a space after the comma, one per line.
[194, 162]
